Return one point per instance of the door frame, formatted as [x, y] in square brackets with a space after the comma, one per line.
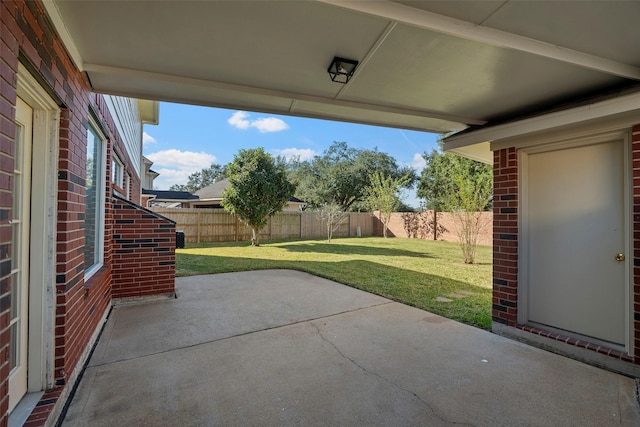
[559, 143]
[42, 258]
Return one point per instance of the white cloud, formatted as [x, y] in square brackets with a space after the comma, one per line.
[148, 139]
[175, 166]
[269, 124]
[290, 153]
[169, 177]
[418, 162]
[264, 125]
[182, 160]
[238, 120]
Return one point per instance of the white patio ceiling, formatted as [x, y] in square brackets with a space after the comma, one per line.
[435, 66]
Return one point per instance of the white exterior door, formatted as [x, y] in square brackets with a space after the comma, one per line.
[576, 240]
[20, 254]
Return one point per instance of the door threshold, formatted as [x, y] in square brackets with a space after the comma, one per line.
[24, 408]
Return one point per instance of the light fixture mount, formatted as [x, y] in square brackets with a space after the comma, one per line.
[341, 69]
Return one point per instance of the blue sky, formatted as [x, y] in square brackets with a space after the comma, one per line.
[190, 138]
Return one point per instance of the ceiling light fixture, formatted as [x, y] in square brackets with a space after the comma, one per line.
[341, 70]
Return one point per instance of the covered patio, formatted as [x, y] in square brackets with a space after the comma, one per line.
[283, 347]
[548, 92]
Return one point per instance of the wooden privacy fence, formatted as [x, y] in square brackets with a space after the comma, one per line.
[218, 225]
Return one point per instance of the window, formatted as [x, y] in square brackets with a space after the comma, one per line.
[117, 176]
[118, 171]
[94, 216]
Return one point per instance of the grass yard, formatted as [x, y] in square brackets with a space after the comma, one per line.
[411, 271]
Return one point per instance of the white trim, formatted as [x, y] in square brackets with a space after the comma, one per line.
[479, 33]
[42, 297]
[628, 241]
[125, 73]
[523, 240]
[101, 180]
[558, 143]
[63, 32]
[479, 152]
[117, 171]
[626, 108]
[149, 112]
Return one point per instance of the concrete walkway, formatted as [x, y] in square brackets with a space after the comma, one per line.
[286, 348]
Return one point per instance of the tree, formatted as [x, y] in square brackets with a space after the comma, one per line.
[203, 178]
[382, 194]
[461, 186]
[341, 174]
[436, 180]
[333, 216]
[474, 184]
[258, 188]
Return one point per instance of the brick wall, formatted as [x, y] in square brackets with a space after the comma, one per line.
[397, 228]
[505, 236]
[636, 239]
[8, 81]
[143, 251]
[27, 37]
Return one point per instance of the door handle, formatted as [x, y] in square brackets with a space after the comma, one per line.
[619, 257]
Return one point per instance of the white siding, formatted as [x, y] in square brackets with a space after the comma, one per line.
[126, 115]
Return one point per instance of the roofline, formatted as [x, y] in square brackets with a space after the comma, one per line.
[149, 111]
[156, 199]
[596, 110]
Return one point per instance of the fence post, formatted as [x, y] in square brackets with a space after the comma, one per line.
[199, 232]
[236, 228]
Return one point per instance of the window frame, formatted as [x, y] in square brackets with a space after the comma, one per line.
[93, 127]
[118, 179]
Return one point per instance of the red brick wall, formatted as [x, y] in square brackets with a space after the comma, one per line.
[505, 236]
[8, 67]
[143, 251]
[635, 147]
[396, 227]
[28, 37]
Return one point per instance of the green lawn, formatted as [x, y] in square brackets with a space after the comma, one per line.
[411, 271]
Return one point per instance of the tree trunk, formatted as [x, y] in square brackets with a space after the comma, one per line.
[254, 237]
[435, 225]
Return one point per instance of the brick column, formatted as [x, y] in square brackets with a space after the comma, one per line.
[143, 251]
[505, 237]
[635, 147]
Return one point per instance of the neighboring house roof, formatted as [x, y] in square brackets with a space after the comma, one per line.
[170, 195]
[214, 192]
[296, 200]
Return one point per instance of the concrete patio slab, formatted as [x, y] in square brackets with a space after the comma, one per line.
[287, 348]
